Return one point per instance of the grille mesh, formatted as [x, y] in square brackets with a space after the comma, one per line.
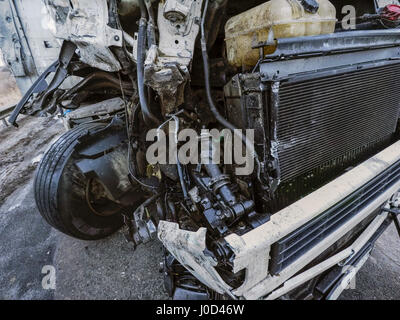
[290, 248]
[329, 121]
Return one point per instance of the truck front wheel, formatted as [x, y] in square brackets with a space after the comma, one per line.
[69, 201]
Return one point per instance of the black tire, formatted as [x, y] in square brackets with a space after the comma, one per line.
[60, 191]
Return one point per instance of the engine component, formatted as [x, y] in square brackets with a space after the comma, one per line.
[287, 18]
[104, 110]
[167, 66]
[141, 228]
[175, 10]
[390, 16]
[149, 118]
[225, 208]
[297, 115]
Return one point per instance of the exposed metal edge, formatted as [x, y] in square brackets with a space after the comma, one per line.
[322, 66]
[252, 249]
[336, 42]
[355, 248]
[189, 248]
[351, 274]
[5, 112]
[272, 282]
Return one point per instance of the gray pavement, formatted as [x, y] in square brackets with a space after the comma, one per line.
[107, 269]
[379, 279]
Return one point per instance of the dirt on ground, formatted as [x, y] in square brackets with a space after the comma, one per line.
[21, 151]
[18, 146]
[9, 92]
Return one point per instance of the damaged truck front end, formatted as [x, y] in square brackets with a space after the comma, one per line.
[156, 96]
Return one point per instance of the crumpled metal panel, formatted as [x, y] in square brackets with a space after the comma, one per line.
[13, 42]
[189, 248]
[85, 22]
[252, 249]
[167, 65]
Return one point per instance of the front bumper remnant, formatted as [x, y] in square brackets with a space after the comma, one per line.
[252, 250]
[189, 248]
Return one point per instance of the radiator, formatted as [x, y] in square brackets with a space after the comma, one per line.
[330, 121]
[312, 126]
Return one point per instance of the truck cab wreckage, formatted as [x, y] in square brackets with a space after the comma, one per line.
[322, 99]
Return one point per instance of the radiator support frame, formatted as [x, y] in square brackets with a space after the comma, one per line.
[255, 101]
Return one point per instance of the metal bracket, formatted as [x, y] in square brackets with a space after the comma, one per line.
[394, 210]
[141, 229]
[336, 42]
[41, 87]
[394, 213]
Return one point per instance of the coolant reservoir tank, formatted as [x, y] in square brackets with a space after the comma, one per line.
[287, 18]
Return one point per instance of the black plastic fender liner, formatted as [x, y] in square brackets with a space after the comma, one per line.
[60, 190]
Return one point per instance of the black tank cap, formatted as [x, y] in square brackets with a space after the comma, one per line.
[311, 6]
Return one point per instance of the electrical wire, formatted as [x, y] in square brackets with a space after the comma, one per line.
[128, 128]
[178, 164]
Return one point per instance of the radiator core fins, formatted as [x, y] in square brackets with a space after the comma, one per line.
[330, 120]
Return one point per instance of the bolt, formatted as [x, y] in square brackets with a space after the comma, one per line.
[116, 38]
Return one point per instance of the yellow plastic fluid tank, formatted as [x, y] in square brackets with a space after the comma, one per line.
[287, 18]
